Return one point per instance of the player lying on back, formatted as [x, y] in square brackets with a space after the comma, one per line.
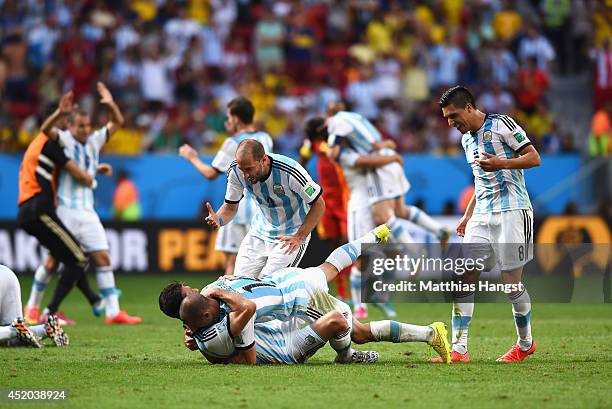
[13, 329]
[299, 293]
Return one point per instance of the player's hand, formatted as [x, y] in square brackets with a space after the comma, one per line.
[399, 159]
[187, 152]
[190, 343]
[65, 105]
[106, 97]
[210, 292]
[461, 225]
[491, 163]
[105, 169]
[290, 243]
[212, 219]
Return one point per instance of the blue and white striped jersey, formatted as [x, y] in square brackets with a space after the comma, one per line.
[356, 129]
[217, 341]
[504, 189]
[272, 342]
[223, 160]
[70, 192]
[284, 198]
[281, 296]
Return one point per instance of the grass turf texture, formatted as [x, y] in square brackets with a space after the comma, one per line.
[146, 366]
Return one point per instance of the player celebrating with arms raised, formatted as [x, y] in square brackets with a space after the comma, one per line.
[499, 216]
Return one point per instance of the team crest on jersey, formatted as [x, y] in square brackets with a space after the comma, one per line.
[519, 137]
[278, 189]
[487, 136]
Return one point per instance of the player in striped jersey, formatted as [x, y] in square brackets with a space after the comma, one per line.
[239, 124]
[499, 217]
[387, 184]
[288, 294]
[77, 212]
[290, 208]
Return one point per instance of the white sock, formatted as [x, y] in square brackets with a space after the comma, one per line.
[346, 254]
[41, 279]
[356, 285]
[394, 331]
[39, 330]
[521, 309]
[419, 217]
[463, 309]
[7, 333]
[105, 279]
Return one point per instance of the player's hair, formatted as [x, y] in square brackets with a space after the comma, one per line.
[74, 113]
[255, 148]
[458, 96]
[170, 299]
[316, 129]
[243, 109]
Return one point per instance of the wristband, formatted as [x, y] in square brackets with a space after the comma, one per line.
[220, 221]
[94, 184]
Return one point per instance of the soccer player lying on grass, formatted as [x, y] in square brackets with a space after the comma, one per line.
[13, 330]
[283, 342]
[302, 293]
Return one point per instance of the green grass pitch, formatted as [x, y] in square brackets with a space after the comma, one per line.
[146, 366]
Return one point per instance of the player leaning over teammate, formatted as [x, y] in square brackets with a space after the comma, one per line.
[218, 320]
[239, 124]
[290, 207]
[499, 217]
[76, 211]
[13, 329]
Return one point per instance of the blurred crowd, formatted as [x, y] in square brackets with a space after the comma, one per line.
[173, 65]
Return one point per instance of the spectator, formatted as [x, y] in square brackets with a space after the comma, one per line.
[300, 48]
[507, 22]
[496, 99]
[499, 65]
[603, 74]
[268, 42]
[155, 77]
[532, 85]
[362, 94]
[447, 62]
[42, 40]
[179, 30]
[534, 45]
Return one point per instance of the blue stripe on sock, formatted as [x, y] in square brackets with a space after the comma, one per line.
[461, 322]
[39, 285]
[351, 251]
[522, 320]
[356, 284]
[108, 291]
[415, 216]
[395, 331]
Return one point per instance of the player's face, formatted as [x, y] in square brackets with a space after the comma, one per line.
[231, 123]
[81, 127]
[457, 117]
[253, 170]
[186, 290]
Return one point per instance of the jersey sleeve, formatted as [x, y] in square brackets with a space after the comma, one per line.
[99, 137]
[512, 134]
[215, 341]
[301, 183]
[225, 156]
[348, 158]
[337, 127]
[235, 185]
[53, 151]
[246, 338]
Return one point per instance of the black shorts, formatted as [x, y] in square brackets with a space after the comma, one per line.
[52, 234]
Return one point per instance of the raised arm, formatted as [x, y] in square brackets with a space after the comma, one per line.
[106, 98]
[64, 108]
[375, 161]
[191, 156]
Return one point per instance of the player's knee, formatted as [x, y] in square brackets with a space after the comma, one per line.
[337, 321]
[101, 259]
[359, 335]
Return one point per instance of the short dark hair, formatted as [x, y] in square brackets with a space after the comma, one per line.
[316, 129]
[254, 147]
[242, 108]
[75, 113]
[459, 96]
[170, 299]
